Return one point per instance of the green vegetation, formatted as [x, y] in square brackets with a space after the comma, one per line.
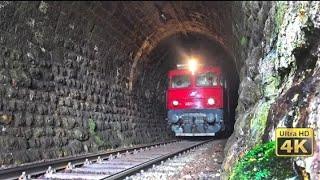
[92, 126]
[243, 41]
[272, 86]
[261, 162]
[259, 121]
[93, 133]
[280, 11]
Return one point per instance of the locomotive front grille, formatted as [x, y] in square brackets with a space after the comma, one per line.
[198, 121]
[197, 116]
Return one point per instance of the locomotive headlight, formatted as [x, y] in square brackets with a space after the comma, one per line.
[192, 65]
[211, 101]
[175, 103]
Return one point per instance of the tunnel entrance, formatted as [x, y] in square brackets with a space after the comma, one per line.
[152, 80]
[66, 72]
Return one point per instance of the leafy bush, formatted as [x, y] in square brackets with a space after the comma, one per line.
[261, 162]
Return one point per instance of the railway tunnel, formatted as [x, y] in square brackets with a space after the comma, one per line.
[79, 77]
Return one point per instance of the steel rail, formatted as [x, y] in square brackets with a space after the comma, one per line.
[148, 164]
[40, 168]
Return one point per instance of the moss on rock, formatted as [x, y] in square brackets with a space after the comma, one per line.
[259, 122]
[92, 126]
[261, 162]
[280, 11]
[272, 86]
[94, 134]
[243, 41]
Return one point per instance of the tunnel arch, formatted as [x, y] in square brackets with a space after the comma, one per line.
[151, 73]
[171, 29]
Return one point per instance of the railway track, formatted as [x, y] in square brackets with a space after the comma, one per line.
[111, 165]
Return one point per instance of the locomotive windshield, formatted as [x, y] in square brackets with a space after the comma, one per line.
[207, 79]
[180, 81]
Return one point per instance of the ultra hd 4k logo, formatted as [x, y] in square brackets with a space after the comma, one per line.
[294, 141]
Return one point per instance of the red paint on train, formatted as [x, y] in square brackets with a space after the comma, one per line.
[194, 92]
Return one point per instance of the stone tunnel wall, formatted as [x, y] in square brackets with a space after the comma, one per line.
[279, 43]
[64, 84]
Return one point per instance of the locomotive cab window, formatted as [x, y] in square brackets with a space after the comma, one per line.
[180, 81]
[207, 79]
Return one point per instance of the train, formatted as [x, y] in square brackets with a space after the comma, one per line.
[196, 100]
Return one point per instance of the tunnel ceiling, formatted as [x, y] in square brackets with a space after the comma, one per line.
[180, 46]
[147, 23]
[177, 49]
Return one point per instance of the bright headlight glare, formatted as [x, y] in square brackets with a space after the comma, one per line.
[175, 103]
[211, 101]
[192, 65]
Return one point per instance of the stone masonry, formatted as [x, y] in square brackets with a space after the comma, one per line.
[63, 84]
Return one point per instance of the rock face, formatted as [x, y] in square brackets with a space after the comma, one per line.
[280, 77]
[63, 87]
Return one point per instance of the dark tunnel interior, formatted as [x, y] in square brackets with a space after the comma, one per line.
[173, 50]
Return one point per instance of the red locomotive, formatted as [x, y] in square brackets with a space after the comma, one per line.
[195, 100]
